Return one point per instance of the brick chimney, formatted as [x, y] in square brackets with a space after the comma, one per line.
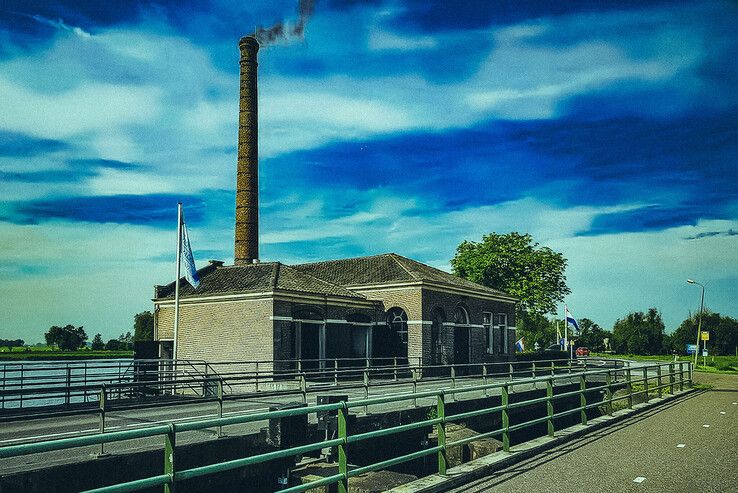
[247, 176]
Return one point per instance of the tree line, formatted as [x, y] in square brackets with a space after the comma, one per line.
[519, 266]
[71, 338]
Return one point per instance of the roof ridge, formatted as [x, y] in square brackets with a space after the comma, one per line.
[343, 259]
[397, 258]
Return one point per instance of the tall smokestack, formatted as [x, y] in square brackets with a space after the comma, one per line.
[247, 178]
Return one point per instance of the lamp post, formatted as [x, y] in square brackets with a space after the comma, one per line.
[699, 324]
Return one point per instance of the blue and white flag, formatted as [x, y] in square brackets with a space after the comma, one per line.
[520, 345]
[570, 319]
[189, 261]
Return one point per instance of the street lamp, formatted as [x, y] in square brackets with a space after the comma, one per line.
[699, 324]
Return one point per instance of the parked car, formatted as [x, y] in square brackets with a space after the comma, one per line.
[582, 351]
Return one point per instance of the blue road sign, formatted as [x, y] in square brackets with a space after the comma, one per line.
[691, 348]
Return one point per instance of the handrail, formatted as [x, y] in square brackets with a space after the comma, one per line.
[652, 383]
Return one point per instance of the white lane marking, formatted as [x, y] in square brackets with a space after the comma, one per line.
[681, 445]
[51, 435]
[639, 479]
[705, 426]
[735, 403]
[722, 412]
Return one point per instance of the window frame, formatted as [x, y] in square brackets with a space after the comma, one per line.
[489, 336]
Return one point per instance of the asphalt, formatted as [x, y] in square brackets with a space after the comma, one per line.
[641, 453]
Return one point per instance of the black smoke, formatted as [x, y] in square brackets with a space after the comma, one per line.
[286, 30]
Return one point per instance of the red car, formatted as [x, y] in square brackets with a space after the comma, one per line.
[582, 351]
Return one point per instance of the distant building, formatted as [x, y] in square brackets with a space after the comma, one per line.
[384, 306]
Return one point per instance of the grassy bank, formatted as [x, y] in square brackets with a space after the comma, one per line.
[718, 364]
[62, 355]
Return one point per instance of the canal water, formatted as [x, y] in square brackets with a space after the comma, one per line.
[45, 383]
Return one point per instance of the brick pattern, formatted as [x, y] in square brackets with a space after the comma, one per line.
[226, 331]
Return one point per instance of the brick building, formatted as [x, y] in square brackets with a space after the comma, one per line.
[385, 306]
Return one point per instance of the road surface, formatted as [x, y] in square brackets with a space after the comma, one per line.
[689, 445]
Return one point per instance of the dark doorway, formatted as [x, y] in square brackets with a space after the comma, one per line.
[390, 341]
[437, 320]
[461, 339]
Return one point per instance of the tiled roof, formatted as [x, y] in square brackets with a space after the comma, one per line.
[333, 278]
[386, 269]
[254, 278]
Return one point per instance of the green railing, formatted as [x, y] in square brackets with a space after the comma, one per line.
[651, 378]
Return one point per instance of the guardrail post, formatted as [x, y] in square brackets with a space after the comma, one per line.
[660, 383]
[394, 361]
[453, 380]
[645, 382]
[342, 459]
[549, 406]
[220, 406]
[170, 440]
[583, 397]
[335, 372]
[553, 369]
[366, 389]
[484, 379]
[629, 387]
[505, 419]
[510, 368]
[533, 373]
[441, 429]
[102, 416]
[608, 392]
[681, 376]
[68, 393]
[671, 378]
[303, 388]
[257, 377]
[415, 386]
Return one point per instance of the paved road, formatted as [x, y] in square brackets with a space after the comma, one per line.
[644, 446]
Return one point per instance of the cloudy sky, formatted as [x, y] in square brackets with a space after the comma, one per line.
[606, 129]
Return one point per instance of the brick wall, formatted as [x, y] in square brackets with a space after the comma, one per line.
[222, 331]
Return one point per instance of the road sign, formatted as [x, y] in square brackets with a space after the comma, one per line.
[704, 352]
[705, 336]
[691, 348]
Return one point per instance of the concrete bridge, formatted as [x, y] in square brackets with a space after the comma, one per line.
[402, 409]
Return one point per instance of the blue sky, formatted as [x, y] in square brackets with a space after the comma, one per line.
[607, 130]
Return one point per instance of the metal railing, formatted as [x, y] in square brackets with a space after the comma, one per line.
[182, 381]
[654, 378]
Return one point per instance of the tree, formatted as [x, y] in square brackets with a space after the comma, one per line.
[639, 333]
[97, 343]
[67, 338]
[11, 343]
[515, 264]
[124, 342]
[723, 333]
[143, 326]
[592, 335]
[534, 327]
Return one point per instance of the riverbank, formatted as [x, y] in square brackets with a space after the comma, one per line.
[62, 355]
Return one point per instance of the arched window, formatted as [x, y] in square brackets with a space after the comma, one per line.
[461, 317]
[397, 322]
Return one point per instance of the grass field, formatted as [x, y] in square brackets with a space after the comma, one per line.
[53, 354]
[721, 364]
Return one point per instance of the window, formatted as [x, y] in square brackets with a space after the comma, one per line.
[460, 316]
[502, 323]
[488, 335]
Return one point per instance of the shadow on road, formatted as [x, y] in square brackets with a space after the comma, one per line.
[500, 477]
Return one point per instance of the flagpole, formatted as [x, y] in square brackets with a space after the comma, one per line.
[176, 281]
[566, 332]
